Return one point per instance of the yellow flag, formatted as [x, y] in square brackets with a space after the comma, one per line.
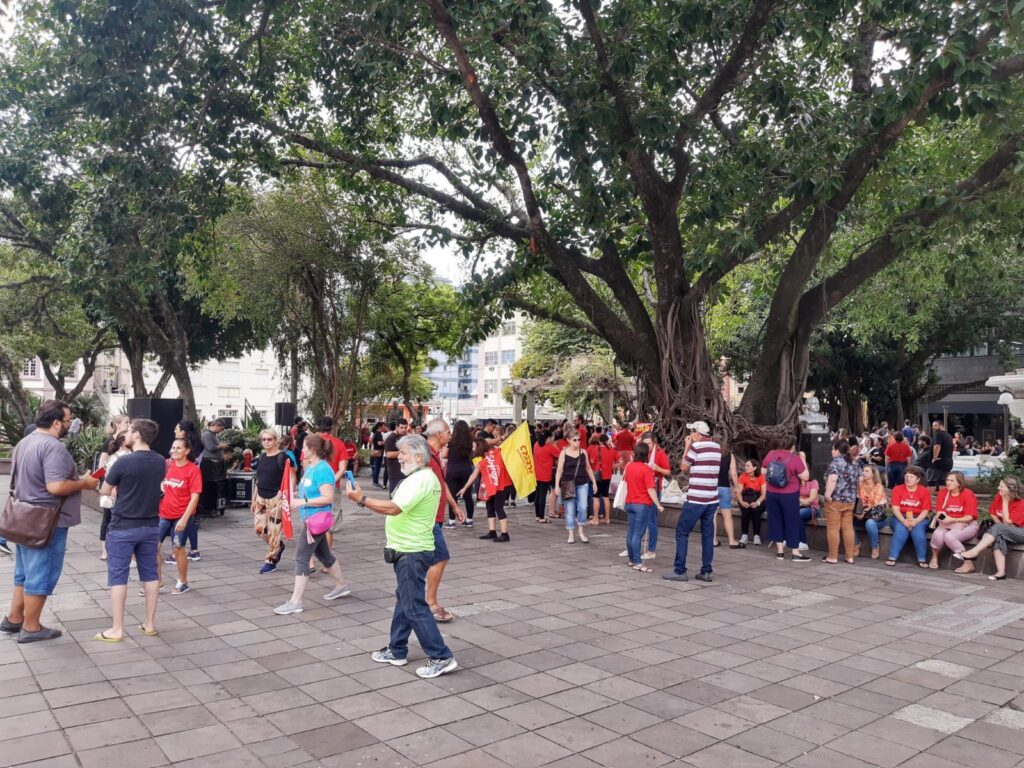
[517, 453]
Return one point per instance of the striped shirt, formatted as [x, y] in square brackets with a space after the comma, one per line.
[704, 459]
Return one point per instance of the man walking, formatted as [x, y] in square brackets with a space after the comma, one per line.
[438, 436]
[391, 459]
[410, 517]
[702, 458]
[43, 474]
[134, 526]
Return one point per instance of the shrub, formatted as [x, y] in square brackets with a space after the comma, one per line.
[85, 447]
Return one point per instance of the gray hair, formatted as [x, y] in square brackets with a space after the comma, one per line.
[435, 427]
[417, 446]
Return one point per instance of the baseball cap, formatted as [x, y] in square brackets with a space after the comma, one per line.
[700, 426]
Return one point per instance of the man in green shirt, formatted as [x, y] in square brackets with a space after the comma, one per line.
[409, 529]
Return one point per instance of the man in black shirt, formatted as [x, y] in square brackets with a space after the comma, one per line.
[134, 526]
[395, 475]
[377, 438]
[942, 455]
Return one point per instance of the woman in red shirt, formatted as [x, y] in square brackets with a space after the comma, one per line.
[956, 517]
[641, 503]
[911, 503]
[602, 458]
[1007, 512]
[544, 469]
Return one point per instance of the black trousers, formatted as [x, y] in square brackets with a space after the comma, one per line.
[540, 498]
[457, 475]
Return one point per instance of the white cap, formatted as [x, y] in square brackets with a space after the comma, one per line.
[700, 426]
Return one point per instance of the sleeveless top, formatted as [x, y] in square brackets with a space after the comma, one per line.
[723, 470]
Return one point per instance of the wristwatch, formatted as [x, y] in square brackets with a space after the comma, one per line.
[362, 501]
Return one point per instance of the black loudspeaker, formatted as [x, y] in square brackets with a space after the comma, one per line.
[214, 497]
[284, 414]
[166, 413]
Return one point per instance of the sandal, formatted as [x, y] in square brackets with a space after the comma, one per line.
[993, 577]
[642, 569]
[442, 615]
[923, 565]
[830, 562]
[962, 572]
[962, 556]
[891, 563]
[850, 560]
[102, 637]
[147, 632]
[738, 546]
[933, 566]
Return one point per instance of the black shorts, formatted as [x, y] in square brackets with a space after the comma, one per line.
[602, 488]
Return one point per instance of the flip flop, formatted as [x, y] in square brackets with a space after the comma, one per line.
[443, 615]
[102, 637]
[923, 565]
[148, 632]
[642, 569]
[891, 563]
[933, 566]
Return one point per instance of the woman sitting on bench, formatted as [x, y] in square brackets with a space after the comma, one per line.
[1007, 512]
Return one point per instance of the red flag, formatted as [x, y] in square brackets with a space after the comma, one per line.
[490, 473]
[287, 490]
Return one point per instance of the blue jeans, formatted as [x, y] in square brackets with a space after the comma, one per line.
[375, 465]
[894, 473]
[805, 517]
[652, 527]
[900, 534]
[688, 519]
[576, 508]
[638, 516]
[412, 614]
[38, 570]
[872, 526]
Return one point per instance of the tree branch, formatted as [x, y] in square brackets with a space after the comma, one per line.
[544, 313]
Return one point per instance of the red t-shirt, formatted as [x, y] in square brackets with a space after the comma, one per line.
[179, 485]
[602, 459]
[583, 435]
[1016, 509]
[624, 440]
[912, 504]
[339, 452]
[639, 479]
[561, 445]
[660, 460]
[543, 463]
[899, 452]
[961, 507]
[435, 464]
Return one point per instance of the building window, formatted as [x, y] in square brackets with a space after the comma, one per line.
[508, 356]
[491, 387]
[228, 413]
[30, 369]
[229, 392]
[508, 328]
[490, 358]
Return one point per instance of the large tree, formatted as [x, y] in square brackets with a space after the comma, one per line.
[625, 155]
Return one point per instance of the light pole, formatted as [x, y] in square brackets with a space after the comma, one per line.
[1004, 400]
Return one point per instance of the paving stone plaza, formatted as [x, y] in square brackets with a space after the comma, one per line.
[567, 659]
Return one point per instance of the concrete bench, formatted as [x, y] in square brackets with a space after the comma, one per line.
[816, 540]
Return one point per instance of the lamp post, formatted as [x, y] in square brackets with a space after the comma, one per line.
[1004, 400]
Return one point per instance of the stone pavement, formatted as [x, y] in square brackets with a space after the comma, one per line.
[567, 660]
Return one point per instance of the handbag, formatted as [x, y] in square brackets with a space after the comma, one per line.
[568, 487]
[29, 525]
[619, 502]
[858, 509]
[320, 522]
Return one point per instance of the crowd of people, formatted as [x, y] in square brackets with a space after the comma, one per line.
[437, 477]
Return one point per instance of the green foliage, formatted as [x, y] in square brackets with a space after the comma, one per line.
[90, 409]
[988, 482]
[84, 446]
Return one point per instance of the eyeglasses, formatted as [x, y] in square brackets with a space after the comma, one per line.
[266, 439]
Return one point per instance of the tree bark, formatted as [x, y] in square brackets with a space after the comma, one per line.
[134, 347]
[13, 392]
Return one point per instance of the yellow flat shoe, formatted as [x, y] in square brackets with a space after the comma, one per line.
[102, 637]
[148, 632]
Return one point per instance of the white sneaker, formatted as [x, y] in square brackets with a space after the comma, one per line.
[288, 608]
[757, 541]
[337, 592]
[803, 546]
[648, 556]
[624, 553]
[743, 539]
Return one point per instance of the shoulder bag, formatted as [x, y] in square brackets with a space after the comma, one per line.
[28, 525]
[568, 488]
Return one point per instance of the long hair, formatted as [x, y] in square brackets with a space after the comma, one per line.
[461, 443]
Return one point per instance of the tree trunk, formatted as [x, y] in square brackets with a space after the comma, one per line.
[177, 366]
[158, 389]
[13, 392]
[779, 379]
[134, 347]
[293, 383]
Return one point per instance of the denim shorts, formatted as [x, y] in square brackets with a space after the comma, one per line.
[440, 546]
[178, 540]
[122, 544]
[38, 570]
[724, 497]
